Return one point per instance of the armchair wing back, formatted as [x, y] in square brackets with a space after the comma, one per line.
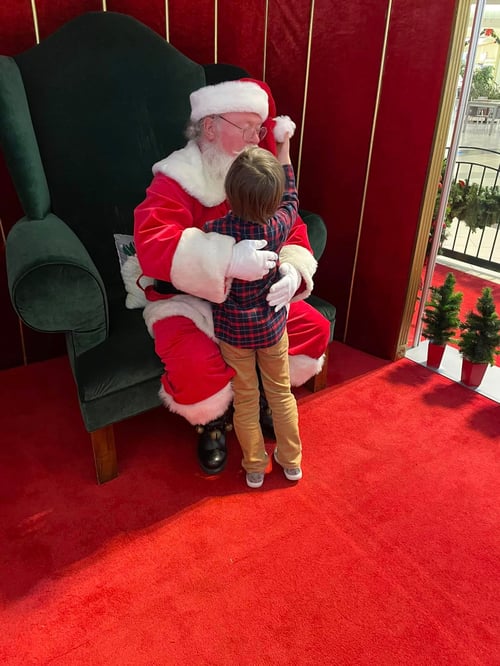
[104, 98]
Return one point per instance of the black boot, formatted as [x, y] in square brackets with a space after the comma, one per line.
[212, 452]
[266, 418]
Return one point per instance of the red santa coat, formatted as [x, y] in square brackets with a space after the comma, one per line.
[171, 247]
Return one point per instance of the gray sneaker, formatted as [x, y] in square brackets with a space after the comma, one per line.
[291, 473]
[255, 479]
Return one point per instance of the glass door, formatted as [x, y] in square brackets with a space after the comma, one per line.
[464, 238]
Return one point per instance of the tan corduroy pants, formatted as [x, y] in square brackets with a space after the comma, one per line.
[274, 371]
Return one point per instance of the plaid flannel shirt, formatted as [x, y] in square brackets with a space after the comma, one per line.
[245, 319]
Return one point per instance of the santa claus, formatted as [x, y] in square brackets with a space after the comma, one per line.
[191, 268]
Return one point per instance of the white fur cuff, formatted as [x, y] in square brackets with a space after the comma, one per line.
[182, 305]
[304, 262]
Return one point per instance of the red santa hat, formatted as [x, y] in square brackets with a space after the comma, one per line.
[228, 97]
[276, 126]
[243, 95]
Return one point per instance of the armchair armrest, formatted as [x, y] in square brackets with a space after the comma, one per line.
[54, 284]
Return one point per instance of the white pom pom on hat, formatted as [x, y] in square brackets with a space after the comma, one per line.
[229, 97]
[283, 125]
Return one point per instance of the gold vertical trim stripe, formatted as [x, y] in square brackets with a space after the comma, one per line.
[459, 31]
[266, 23]
[104, 6]
[306, 91]
[167, 22]
[368, 164]
[35, 21]
[216, 31]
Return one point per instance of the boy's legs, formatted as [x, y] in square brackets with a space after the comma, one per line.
[246, 406]
[274, 369]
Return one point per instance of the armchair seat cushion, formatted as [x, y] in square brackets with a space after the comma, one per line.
[119, 377]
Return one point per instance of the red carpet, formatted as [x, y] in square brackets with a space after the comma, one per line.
[471, 287]
[386, 553]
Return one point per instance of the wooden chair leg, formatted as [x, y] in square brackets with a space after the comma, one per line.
[103, 445]
[318, 382]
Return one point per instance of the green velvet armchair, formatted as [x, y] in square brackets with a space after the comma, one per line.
[83, 116]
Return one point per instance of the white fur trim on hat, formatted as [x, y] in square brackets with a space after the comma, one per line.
[229, 97]
[283, 124]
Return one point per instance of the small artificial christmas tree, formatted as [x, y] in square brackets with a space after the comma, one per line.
[441, 312]
[480, 332]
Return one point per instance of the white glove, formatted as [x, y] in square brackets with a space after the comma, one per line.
[249, 261]
[282, 292]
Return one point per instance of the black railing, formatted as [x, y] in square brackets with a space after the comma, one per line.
[480, 247]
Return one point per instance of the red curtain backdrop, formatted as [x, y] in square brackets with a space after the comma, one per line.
[192, 28]
[241, 35]
[346, 54]
[286, 63]
[18, 30]
[346, 57]
[411, 88]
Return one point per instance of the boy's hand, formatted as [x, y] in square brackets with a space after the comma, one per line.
[283, 150]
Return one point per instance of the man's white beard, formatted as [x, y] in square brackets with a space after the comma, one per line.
[216, 164]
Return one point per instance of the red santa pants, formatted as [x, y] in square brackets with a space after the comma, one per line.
[195, 370]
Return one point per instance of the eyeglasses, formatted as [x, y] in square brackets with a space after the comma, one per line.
[248, 132]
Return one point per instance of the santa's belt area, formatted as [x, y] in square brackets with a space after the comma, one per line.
[163, 287]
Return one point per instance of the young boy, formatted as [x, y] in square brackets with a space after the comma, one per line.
[263, 206]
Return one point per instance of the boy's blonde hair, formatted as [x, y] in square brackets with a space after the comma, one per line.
[255, 184]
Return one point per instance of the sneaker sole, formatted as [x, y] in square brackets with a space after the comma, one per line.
[297, 477]
[250, 484]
